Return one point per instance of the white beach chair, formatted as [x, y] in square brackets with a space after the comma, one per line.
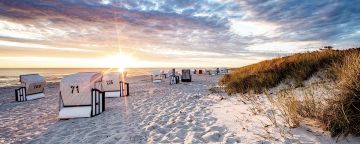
[156, 76]
[208, 71]
[163, 74]
[185, 75]
[32, 87]
[113, 85]
[79, 96]
[223, 70]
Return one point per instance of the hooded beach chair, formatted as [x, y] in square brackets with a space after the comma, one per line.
[113, 85]
[185, 75]
[201, 71]
[163, 74]
[223, 70]
[32, 87]
[80, 95]
[156, 76]
[209, 71]
[174, 78]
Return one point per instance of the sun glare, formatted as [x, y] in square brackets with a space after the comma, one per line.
[121, 69]
[120, 61]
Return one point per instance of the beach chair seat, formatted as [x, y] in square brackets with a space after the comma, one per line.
[32, 88]
[80, 96]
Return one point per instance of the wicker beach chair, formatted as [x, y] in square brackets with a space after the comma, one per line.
[185, 75]
[80, 95]
[113, 84]
[32, 87]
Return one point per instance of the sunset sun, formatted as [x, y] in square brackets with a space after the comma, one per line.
[121, 61]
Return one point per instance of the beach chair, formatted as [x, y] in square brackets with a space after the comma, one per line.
[208, 71]
[174, 79]
[201, 71]
[223, 70]
[156, 76]
[185, 75]
[32, 87]
[113, 85]
[80, 95]
[163, 74]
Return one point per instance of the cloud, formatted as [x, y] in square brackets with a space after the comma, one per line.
[29, 46]
[173, 29]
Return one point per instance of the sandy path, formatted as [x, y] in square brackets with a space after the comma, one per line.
[155, 113]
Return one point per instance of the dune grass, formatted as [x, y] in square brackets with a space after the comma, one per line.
[342, 112]
[268, 74]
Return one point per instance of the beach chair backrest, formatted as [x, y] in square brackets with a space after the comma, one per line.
[185, 74]
[76, 89]
[34, 83]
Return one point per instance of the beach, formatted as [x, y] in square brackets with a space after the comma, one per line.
[154, 113]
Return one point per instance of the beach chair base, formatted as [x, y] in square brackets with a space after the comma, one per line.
[185, 80]
[75, 112]
[112, 94]
[96, 107]
[35, 96]
[20, 95]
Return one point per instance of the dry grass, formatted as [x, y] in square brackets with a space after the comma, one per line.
[268, 74]
[340, 114]
[343, 112]
[288, 105]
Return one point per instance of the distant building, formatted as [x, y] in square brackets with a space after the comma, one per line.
[327, 48]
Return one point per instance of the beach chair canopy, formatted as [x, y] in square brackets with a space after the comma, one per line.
[111, 81]
[223, 70]
[76, 89]
[34, 83]
[156, 72]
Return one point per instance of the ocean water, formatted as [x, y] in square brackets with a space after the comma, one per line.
[10, 77]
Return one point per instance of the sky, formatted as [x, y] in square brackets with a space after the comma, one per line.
[169, 33]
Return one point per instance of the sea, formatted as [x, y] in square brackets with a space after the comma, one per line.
[10, 76]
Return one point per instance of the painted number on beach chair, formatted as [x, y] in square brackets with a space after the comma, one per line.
[37, 86]
[109, 82]
[73, 87]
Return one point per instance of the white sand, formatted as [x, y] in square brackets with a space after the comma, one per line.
[153, 113]
[251, 126]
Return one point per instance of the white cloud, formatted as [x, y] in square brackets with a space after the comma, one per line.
[253, 28]
[16, 30]
[285, 47]
[40, 46]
